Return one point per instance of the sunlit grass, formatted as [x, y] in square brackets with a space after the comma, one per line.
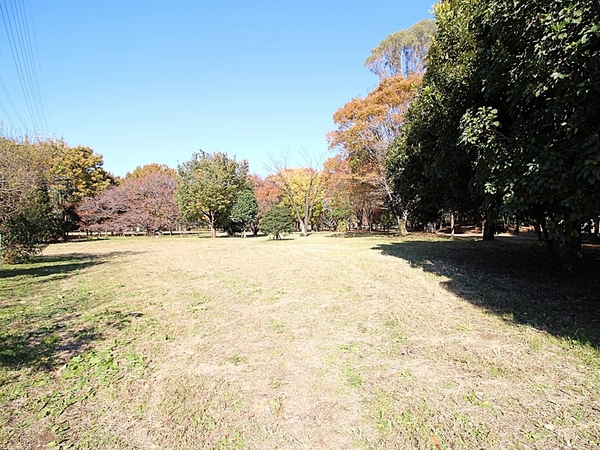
[318, 342]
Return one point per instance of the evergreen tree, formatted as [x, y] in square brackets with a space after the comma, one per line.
[277, 221]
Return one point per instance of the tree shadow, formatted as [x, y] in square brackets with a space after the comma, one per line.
[42, 328]
[48, 346]
[516, 280]
[361, 234]
[51, 268]
[44, 348]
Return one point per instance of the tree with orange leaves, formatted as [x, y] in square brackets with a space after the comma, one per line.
[366, 127]
[266, 193]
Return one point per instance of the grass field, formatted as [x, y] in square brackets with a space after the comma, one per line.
[321, 342]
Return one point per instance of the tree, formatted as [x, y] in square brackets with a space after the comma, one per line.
[266, 192]
[22, 170]
[24, 203]
[150, 202]
[209, 185]
[337, 203]
[511, 97]
[302, 187]
[426, 162]
[25, 233]
[146, 203]
[145, 170]
[365, 129]
[536, 131]
[245, 211]
[103, 212]
[76, 173]
[277, 221]
[41, 183]
[402, 53]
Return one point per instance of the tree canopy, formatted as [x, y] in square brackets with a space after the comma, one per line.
[302, 189]
[507, 115]
[41, 183]
[245, 211]
[277, 221]
[365, 129]
[209, 185]
[403, 52]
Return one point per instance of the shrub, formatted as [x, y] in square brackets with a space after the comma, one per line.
[277, 221]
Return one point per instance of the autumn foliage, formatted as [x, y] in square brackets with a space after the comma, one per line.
[146, 204]
[366, 126]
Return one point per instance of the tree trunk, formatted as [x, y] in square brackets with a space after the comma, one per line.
[452, 225]
[303, 228]
[489, 230]
[401, 226]
[571, 255]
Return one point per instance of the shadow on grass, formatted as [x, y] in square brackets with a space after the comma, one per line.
[516, 280]
[56, 267]
[46, 347]
[42, 325]
[361, 234]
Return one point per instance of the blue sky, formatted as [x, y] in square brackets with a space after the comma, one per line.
[154, 81]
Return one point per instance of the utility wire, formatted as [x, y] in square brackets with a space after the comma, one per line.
[29, 75]
[37, 55]
[18, 32]
[11, 104]
[7, 115]
[36, 86]
[6, 92]
[17, 61]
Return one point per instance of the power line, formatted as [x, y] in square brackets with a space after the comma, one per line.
[37, 54]
[16, 60]
[29, 75]
[6, 92]
[36, 86]
[18, 32]
[12, 104]
[7, 115]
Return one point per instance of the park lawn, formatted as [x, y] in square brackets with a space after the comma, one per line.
[369, 342]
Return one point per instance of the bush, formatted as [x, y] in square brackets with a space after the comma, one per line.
[24, 235]
[277, 221]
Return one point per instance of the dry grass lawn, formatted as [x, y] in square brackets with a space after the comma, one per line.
[321, 342]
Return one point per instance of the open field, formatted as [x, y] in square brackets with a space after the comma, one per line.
[321, 342]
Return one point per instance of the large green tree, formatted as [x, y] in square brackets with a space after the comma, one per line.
[425, 162]
[245, 211]
[508, 115]
[209, 186]
[536, 134]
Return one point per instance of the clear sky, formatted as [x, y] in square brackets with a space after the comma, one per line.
[154, 81]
